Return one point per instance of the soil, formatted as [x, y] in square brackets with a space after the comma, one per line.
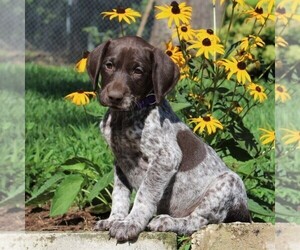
[38, 219]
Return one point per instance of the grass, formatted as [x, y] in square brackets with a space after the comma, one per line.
[11, 133]
[57, 130]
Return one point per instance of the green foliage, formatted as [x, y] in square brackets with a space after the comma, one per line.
[11, 134]
[212, 96]
[63, 142]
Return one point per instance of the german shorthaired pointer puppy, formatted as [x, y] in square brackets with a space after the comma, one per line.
[177, 177]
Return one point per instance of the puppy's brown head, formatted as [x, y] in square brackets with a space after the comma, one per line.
[130, 70]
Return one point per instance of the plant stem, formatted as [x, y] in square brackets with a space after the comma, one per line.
[122, 28]
[262, 74]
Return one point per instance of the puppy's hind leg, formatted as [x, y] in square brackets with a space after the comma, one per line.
[225, 200]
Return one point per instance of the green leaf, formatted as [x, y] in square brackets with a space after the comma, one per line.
[66, 194]
[102, 183]
[48, 184]
[179, 106]
[258, 209]
[247, 168]
[75, 167]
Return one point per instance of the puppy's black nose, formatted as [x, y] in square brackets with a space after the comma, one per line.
[115, 96]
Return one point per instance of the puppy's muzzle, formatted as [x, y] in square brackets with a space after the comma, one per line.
[115, 97]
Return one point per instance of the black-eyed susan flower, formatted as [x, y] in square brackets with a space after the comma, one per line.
[269, 3]
[80, 97]
[185, 32]
[236, 107]
[207, 45]
[281, 93]
[242, 55]
[257, 91]
[175, 13]
[280, 42]
[175, 54]
[126, 14]
[291, 137]
[250, 42]
[208, 33]
[207, 123]
[282, 15]
[81, 64]
[238, 68]
[268, 136]
[259, 14]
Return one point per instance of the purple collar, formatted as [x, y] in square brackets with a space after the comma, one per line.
[149, 100]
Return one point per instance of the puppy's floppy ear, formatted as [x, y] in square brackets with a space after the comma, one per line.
[94, 62]
[165, 74]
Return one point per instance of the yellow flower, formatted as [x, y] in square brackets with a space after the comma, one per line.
[291, 136]
[280, 42]
[267, 137]
[259, 14]
[208, 33]
[250, 42]
[207, 122]
[236, 67]
[207, 44]
[243, 55]
[81, 64]
[185, 32]
[257, 91]
[80, 97]
[175, 54]
[281, 93]
[270, 4]
[184, 72]
[237, 107]
[127, 14]
[177, 13]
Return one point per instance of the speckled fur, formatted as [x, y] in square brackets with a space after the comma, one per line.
[179, 188]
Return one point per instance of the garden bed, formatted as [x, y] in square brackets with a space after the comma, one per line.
[38, 219]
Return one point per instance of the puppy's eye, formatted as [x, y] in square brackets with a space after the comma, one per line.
[138, 71]
[109, 65]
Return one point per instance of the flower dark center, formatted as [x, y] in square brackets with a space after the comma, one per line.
[169, 53]
[281, 10]
[259, 10]
[175, 8]
[80, 91]
[258, 89]
[184, 29]
[280, 89]
[120, 10]
[210, 31]
[206, 42]
[206, 118]
[241, 65]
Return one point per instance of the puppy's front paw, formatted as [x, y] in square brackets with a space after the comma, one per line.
[125, 230]
[162, 223]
